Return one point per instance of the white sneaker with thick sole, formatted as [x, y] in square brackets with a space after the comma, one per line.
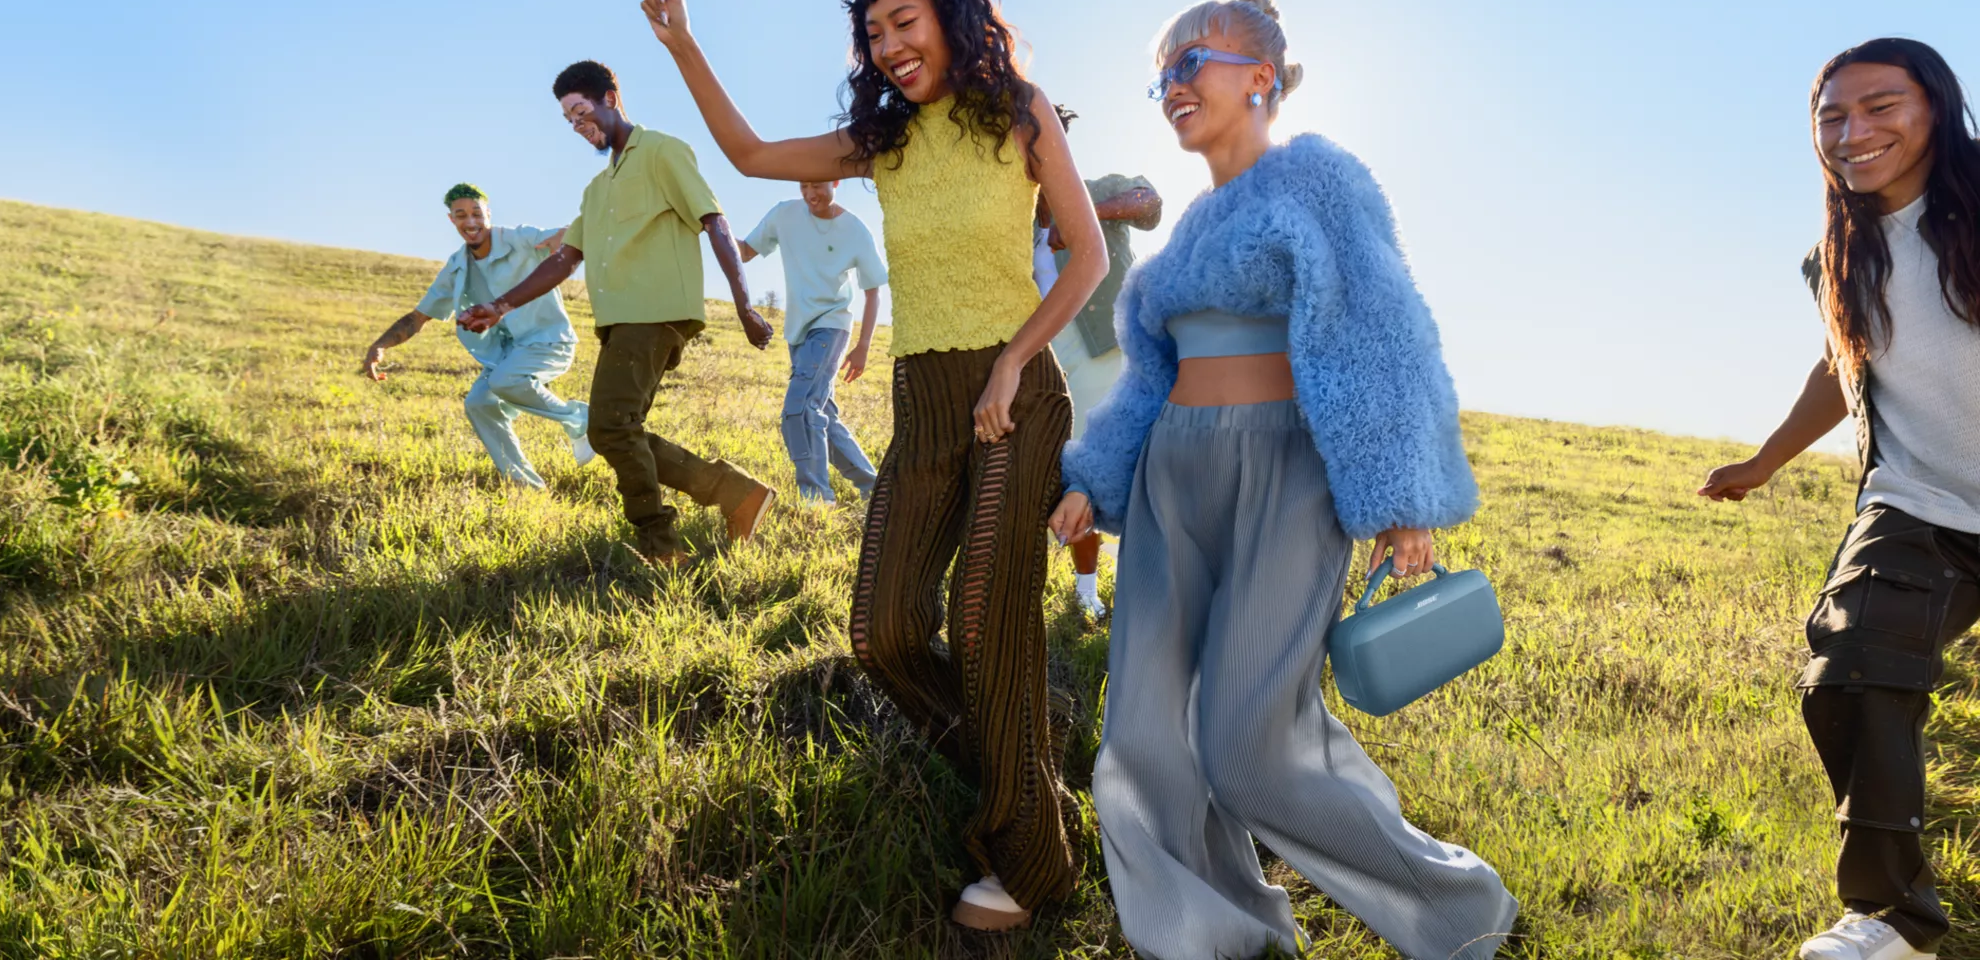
[985, 906]
[581, 450]
[1860, 937]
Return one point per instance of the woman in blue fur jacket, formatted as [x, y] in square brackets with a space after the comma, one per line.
[1285, 394]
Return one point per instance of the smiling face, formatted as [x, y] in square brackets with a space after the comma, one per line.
[1873, 126]
[470, 220]
[904, 40]
[594, 121]
[818, 197]
[1215, 104]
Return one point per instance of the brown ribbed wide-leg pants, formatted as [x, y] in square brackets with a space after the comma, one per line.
[943, 498]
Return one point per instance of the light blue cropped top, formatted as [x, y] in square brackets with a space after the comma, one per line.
[1214, 333]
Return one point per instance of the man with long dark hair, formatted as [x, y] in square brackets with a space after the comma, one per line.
[637, 232]
[1898, 279]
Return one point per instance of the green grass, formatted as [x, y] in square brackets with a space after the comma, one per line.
[286, 672]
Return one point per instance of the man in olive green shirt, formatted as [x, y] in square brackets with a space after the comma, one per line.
[638, 234]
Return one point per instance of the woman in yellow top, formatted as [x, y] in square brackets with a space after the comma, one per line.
[958, 144]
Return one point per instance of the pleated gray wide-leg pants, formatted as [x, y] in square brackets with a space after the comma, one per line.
[1230, 577]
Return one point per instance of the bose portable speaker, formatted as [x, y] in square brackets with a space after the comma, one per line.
[1390, 655]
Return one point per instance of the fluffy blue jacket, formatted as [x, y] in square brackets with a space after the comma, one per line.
[1305, 234]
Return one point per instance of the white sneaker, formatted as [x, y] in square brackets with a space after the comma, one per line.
[581, 450]
[1091, 605]
[1860, 937]
[985, 906]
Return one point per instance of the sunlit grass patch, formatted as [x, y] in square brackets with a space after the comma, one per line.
[285, 670]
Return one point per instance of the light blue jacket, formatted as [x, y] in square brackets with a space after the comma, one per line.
[512, 254]
[1306, 234]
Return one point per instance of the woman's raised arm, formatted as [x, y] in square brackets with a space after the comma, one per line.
[806, 159]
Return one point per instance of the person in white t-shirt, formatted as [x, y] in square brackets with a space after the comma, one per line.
[824, 246]
[1898, 279]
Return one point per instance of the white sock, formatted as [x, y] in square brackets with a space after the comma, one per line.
[1088, 584]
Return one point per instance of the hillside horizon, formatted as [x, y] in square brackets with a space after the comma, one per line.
[576, 288]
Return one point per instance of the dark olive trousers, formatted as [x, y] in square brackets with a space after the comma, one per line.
[632, 357]
[1901, 589]
[949, 507]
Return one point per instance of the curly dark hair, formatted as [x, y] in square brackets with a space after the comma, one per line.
[465, 191]
[993, 99]
[587, 77]
[1854, 259]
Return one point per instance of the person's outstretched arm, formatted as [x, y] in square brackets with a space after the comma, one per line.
[1140, 206]
[1816, 412]
[554, 270]
[812, 159]
[401, 330]
[726, 254]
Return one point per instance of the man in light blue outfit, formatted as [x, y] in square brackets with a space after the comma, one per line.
[823, 246]
[530, 347]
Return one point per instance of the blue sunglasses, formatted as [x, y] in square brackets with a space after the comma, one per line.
[1185, 68]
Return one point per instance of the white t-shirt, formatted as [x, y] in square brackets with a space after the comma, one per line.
[819, 259]
[1044, 263]
[1924, 391]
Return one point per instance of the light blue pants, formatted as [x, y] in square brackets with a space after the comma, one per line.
[518, 384]
[1231, 571]
[813, 433]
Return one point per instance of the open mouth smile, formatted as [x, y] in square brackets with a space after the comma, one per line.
[1863, 158]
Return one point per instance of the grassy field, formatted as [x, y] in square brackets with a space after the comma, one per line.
[286, 672]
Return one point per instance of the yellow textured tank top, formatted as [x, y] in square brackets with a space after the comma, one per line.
[958, 216]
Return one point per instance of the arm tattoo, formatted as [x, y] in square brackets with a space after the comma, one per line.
[724, 245]
[401, 330]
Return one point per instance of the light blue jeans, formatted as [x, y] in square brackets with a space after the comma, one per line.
[813, 433]
[515, 385]
[1231, 570]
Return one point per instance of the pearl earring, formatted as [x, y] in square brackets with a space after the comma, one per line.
[1257, 99]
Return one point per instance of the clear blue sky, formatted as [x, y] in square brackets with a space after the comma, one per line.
[1605, 203]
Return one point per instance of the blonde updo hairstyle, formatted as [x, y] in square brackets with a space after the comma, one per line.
[1255, 23]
